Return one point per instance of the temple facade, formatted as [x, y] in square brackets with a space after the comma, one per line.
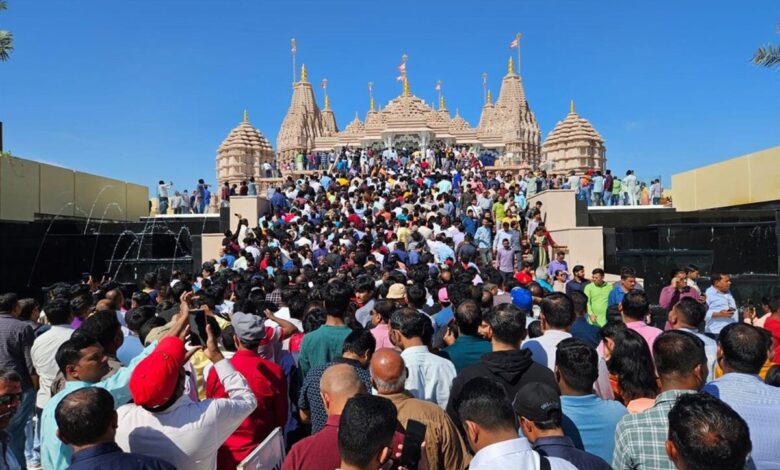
[507, 127]
[573, 145]
[242, 153]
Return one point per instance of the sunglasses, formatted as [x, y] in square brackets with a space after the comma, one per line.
[10, 398]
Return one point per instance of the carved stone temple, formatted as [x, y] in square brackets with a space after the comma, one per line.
[507, 127]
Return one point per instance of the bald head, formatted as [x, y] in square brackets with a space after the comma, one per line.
[338, 384]
[116, 298]
[388, 371]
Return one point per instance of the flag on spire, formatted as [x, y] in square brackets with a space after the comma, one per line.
[402, 67]
[324, 83]
[515, 44]
[293, 46]
[438, 86]
[399, 78]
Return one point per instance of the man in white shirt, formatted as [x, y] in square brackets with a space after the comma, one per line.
[686, 316]
[430, 376]
[44, 348]
[556, 317]
[491, 429]
[163, 422]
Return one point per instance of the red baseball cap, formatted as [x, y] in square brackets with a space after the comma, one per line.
[154, 379]
[523, 278]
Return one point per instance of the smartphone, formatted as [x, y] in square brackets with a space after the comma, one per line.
[412, 450]
[198, 335]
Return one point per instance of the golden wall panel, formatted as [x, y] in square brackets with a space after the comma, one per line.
[19, 188]
[96, 196]
[57, 191]
[748, 179]
[137, 201]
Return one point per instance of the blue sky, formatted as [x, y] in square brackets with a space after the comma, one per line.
[147, 89]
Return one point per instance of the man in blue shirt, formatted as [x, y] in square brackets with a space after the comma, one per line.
[627, 284]
[483, 238]
[86, 421]
[581, 328]
[559, 263]
[588, 420]
[721, 307]
[83, 363]
[741, 353]
[279, 201]
[228, 258]
[400, 252]
[469, 223]
[538, 409]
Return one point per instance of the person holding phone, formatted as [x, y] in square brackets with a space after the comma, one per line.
[721, 306]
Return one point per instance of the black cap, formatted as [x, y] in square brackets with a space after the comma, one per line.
[535, 401]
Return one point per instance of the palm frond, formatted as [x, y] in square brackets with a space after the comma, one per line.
[6, 45]
[767, 56]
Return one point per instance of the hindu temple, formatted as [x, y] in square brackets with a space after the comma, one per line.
[507, 127]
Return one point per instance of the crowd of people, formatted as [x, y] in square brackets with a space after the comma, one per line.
[183, 202]
[594, 187]
[372, 303]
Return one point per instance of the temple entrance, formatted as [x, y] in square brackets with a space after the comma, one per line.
[410, 142]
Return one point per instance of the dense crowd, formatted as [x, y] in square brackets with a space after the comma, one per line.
[375, 298]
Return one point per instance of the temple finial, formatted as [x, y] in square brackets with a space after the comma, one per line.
[304, 75]
[371, 105]
[406, 86]
[571, 106]
[327, 102]
[489, 98]
[511, 66]
[246, 116]
[441, 103]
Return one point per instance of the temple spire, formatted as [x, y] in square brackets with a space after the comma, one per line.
[246, 116]
[304, 75]
[511, 67]
[406, 86]
[371, 105]
[571, 107]
[327, 102]
[441, 103]
[489, 99]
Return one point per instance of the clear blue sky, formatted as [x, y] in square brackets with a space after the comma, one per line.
[147, 89]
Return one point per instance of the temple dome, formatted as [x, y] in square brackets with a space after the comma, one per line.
[573, 127]
[574, 144]
[406, 107]
[439, 119]
[459, 124]
[241, 153]
[355, 128]
[375, 120]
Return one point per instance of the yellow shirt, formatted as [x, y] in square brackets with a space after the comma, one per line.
[762, 373]
[403, 234]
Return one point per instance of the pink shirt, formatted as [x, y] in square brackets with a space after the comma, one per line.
[649, 333]
[381, 334]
